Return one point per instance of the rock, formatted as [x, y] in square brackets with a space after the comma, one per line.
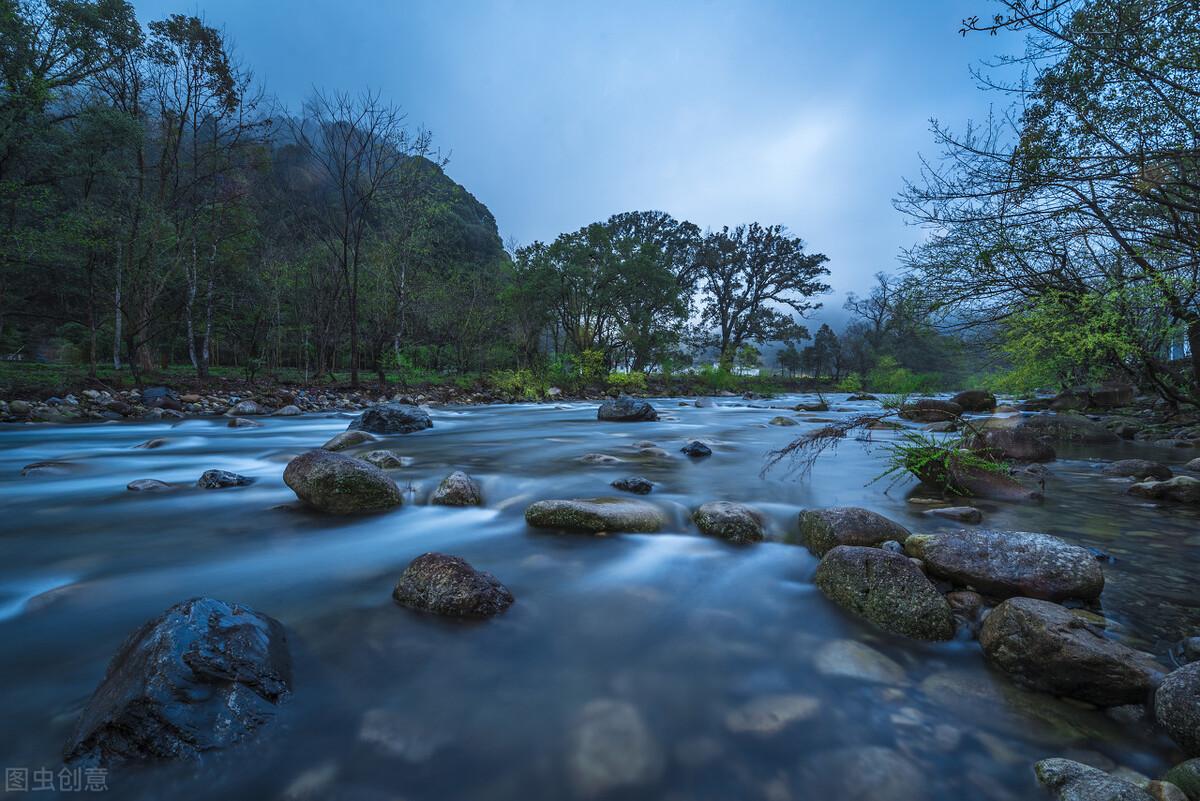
[1066, 428]
[1182, 489]
[392, 418]
[820, 406]
[735, 522]
[448, 585]
[242, 422]
[1011, 444]
[1177, 707]
[340, 484]
[963, 514]
[851, 659]
[246, 407]
[151, 444]
[783, 421]
[887, 589]
[384, 460]
[19, 408]
[1074, 781]
[595, 515]
[1111, 396]
[930, 410]
[1045, 647]
[610, 747]
[861, 396]
[290, 410]
[860, 773]
[1186, 651]
[704, 403]
[191, 397]
[944, 427]
[48, 468]
[771, 714]
[975, 400]
[204, 675]
[1001, 564]
[824, 529]
[600, 458]
[348, 439]
[1193, 465]
[967, 606]
[147, 485]
[1140, 469]
[220, 479]
[963, 477]
[1186, 776]
[626, 410]
[457, 489]
[696, 449]
[635, 484]
[1165, 791]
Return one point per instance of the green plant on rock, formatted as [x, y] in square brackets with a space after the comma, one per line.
[936, 462]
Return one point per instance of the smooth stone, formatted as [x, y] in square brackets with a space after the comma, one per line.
[963, 514]
[1193, 465]
[1074, 781]
[457, 489]
[886, 589]
[1186, 776]
[783, 421]
[448, 585]
[975, 400]
[771, 714]
[610, 747]
[1177, 707]
[220, 479]
[290, 410]
[635, 484]
[1066, 427]
[348, 439]
[147, 485]
[824, 529]
[931, 410]
[696, 449]
[1001, 564]
[246, 407]
[860, 773]
[392, 418]
[600, 458]
[626, 410]
[851, 659]
[595, 515]
[242, 422]
[340, 484]
[735, 522]
[1045, 647]
[1140, 469]
[1012, 444]
[1182, 489]
[384, 460]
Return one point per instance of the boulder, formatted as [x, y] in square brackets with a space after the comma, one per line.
[735, 522]
[290, 410]
[392, 418]
[635, 484]
[783, 421]
[595, 515]
[1046, 647]
[1193, 465]
[1181, 489]
[384, 460]
[1074, 781]
[242, 422]
[958, 475]
[696, 449]
[610, 748]
[1177, 707]
[626, 410]
[975, 400]
[449, 586]
[1141, 469]
[824, 529]
[220, 479]
[767, 715]
[202, 676]
[1011, 444]
[19, 408]
[1186, 776]
[931, 410]
[147, 485]
[819, 406]
[340, 484]
[1066, 428]
[244, 408]
[457, 489]
[857, 661]
[1111, 396]
[1001, 564]
[348, 439]
[887, 589]
[962, 514]
[861, 396]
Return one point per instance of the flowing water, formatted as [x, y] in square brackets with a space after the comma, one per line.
[680, 632]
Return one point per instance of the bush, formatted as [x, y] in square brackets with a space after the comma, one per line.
[627, 382]
[524, 384]
[717, 379]
[850, 383]
[889, 376]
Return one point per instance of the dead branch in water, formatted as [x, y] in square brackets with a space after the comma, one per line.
[803, 451]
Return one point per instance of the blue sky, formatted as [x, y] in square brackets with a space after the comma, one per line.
[557, 114]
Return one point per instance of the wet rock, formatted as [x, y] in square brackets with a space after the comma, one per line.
[1012, 444]
[851, 659]
[1074, 781]
[696, 449]
[1043, 646]
[820, 406]
[735, 522]
[384, 460]
[1181, 489]
[860, 773]
[1186, 776]
[635, 484]
[1164, 791]
[610, 747]
[1066, 428]
[220, 479]
[962, 477]
[457, 489]
[246, 407]
[887, 589]
[19, 408]
[626, 410]
[340, 484]
[392, 418]
[600, 458]
[151, 444]
[348, 439]
[975, 400]
[202, 676]
[771, 714]
[861, 396]
[448, 585]
[967, 606]
[704, 403]
[653, 453]
[1177, 707]
[1186, 651]
[290, 410]
[823, 529]
[963, 514]
[242, 422]
[147, 485]
[49, 468]
[931, 410]
[595, 515]
[783, 421]
[1193, 465]
[1140, 469]
[1001, 564]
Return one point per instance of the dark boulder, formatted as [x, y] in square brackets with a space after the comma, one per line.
[1074, 781]
[975, 400]
[220, 479]
[626, 410]
[204, 675]
[1066, 428]
[1177, 707]
[457, 489]
[392, 418]
[348, 439]
[448, 585]
[1140, 469]
[1181, 489]
[824, 529]
[595, 515]
[696, 449]
[339, 484]
[1011, 444]
[931, 410]
[960, 476]
[635, 484]
[735, 522]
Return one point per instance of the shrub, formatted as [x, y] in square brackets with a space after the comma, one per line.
[851, 382]
[524, 384]
[627, 382]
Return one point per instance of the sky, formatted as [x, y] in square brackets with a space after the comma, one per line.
[557, 114]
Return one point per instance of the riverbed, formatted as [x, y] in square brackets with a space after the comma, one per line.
[685, 633]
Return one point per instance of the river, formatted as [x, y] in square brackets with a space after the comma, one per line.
[685, 630]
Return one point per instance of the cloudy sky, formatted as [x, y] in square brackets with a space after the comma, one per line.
[556, 114]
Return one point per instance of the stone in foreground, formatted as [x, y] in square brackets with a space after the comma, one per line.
[626, 410]
[457, 489]
[735, 522]
[824, 529]
[1177, 707]
[1074, 781]
[202, 676]
[449, 586]
[1001, 564]
[595, 515]
[1046, 647]
[887, 589]
[392, 418]
[220, 479]
[340, 484]
[1181, 489]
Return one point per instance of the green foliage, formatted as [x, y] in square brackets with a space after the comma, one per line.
[851, 382]
[525, 384]
[592, 366]
[747, 357]
[888, 376]
[634, 382]
[930, 459]
[716, 379]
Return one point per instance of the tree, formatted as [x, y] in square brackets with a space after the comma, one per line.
[789, 359]
[747, 357]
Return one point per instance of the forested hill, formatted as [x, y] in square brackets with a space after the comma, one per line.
[465, 227]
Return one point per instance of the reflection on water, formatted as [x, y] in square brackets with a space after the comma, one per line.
[667, 642]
